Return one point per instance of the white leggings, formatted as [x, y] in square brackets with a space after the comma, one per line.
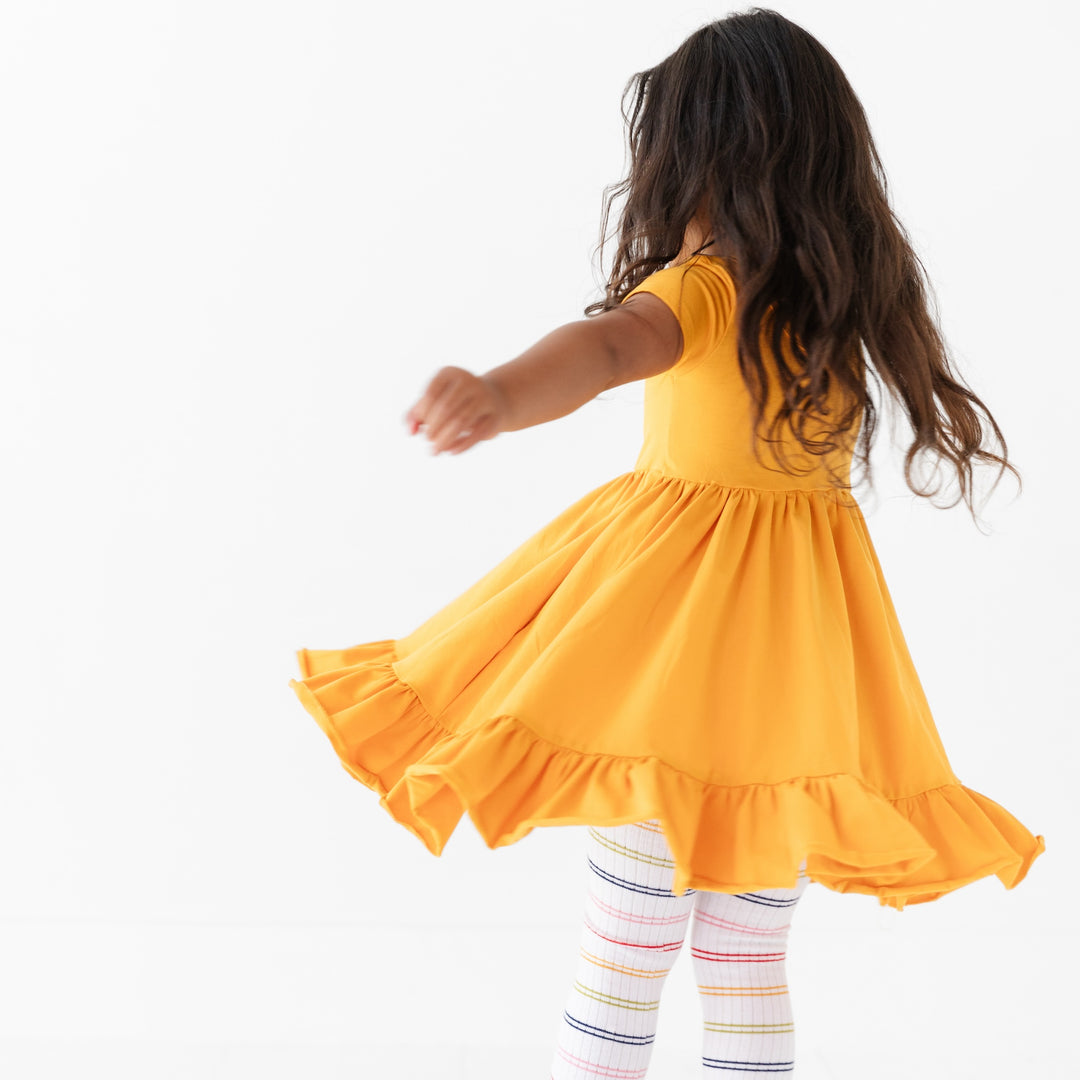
[634, 929]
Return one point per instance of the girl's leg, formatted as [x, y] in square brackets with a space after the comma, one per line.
[634, 928]
[739, 945]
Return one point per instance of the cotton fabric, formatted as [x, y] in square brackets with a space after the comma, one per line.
[704, 640]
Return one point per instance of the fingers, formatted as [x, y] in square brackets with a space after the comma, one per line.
[442, 396]
[460, 429]
[450, 417]
[423, 412]
[454, 409]
[483, 429]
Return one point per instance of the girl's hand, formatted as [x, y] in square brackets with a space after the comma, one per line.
[458, 409]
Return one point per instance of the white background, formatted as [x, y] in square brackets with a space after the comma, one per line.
[237, 240]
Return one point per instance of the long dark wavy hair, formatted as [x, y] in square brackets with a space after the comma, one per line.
[753, 119]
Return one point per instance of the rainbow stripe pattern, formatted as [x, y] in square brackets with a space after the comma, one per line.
[633, 931]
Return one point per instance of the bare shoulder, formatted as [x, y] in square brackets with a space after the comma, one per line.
[644, 336]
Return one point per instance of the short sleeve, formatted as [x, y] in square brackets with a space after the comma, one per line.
[701, 295]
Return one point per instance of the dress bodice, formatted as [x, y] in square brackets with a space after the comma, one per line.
[699, 414]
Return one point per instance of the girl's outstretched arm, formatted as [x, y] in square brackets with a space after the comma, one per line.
[560, 373]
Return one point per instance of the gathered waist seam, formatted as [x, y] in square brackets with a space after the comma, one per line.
[732, 487]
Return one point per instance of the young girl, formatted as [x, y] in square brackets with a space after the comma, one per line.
[699, 659]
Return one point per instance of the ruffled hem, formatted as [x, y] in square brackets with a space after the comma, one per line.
[731, 839]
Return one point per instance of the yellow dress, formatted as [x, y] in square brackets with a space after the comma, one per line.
[701, 640]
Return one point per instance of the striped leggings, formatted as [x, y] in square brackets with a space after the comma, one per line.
[634, 929]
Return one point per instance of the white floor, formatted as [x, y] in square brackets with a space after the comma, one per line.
[286, 1061]
[159, 1001]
